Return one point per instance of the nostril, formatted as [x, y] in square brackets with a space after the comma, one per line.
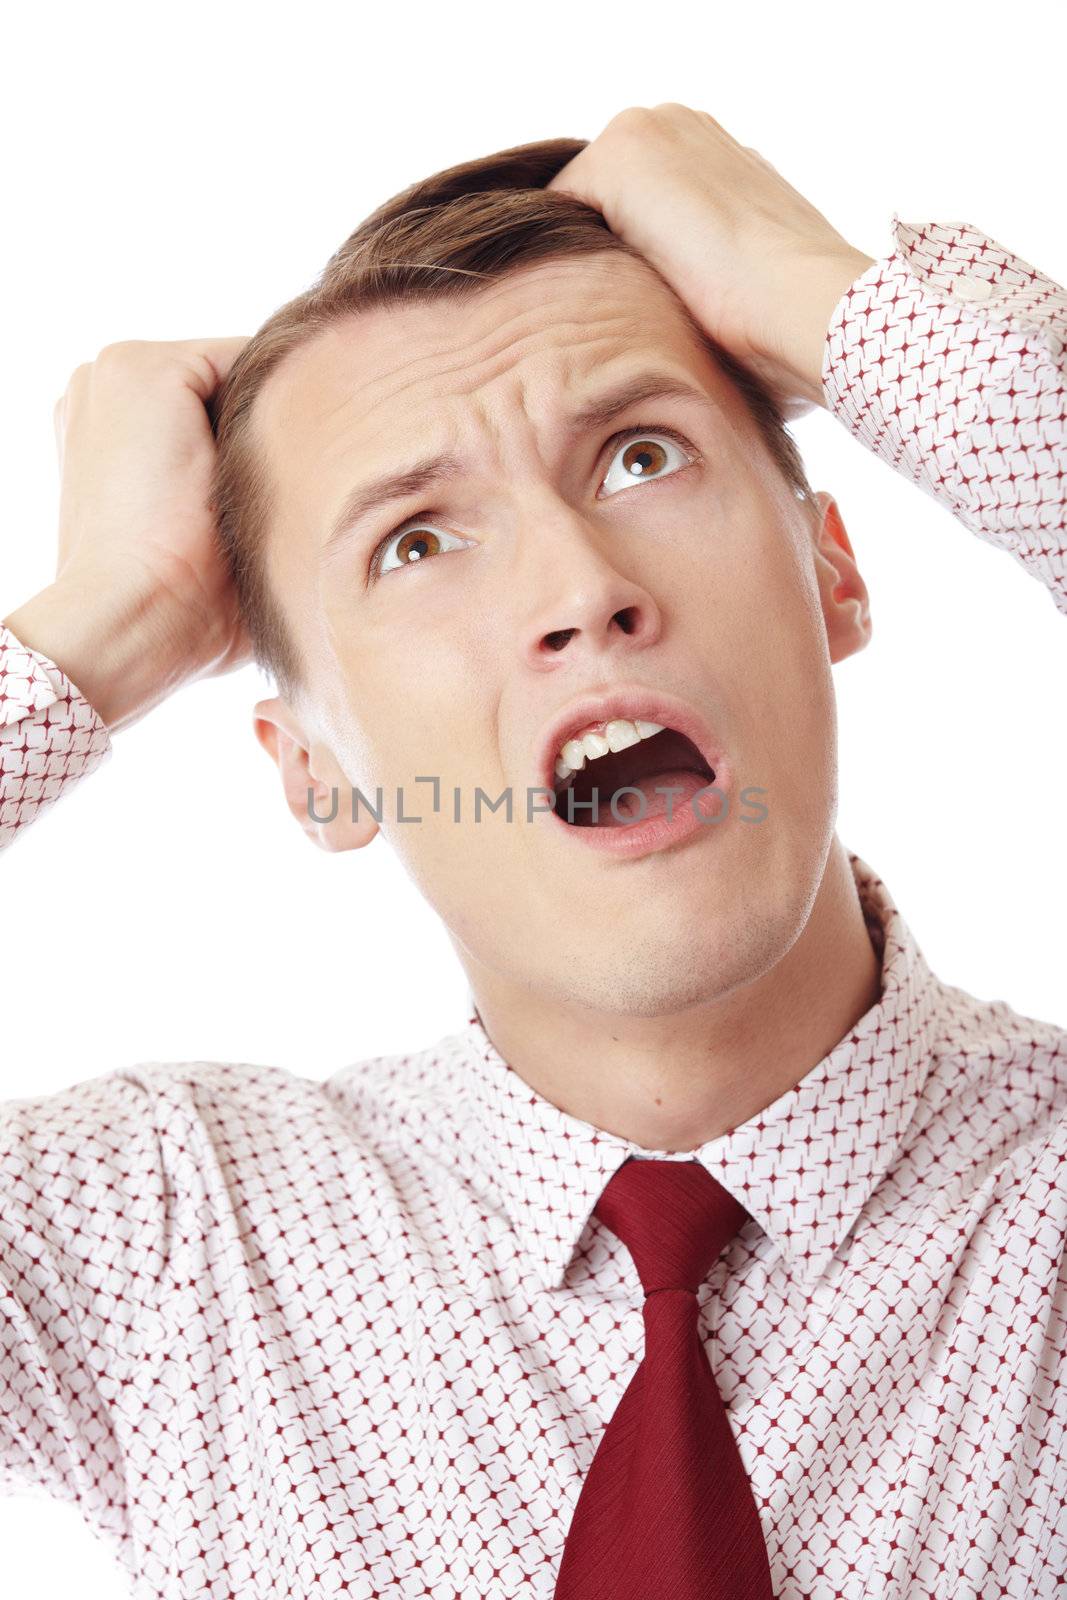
[626, 620]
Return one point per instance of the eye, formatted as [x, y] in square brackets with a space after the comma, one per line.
[644, 456]
[640, 452]
[412, 544]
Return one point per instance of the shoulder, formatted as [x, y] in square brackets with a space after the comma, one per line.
[994, 1120]
[1000, 1055]
[111, 1127]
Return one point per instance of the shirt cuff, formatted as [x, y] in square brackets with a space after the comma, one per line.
[50, 735]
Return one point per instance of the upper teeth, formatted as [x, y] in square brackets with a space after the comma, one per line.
[616, 736]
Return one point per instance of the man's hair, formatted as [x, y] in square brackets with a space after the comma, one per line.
[442, 238]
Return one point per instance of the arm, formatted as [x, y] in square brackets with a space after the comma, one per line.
[961, 389]
[139, 606]
[83, 1242]
[140, 603]
[947, 359]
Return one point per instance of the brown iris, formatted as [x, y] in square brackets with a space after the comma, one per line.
[643, 457]
[415, 544]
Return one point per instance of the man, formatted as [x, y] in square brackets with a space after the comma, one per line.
[723, 1252]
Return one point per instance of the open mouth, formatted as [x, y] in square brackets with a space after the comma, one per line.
[658, 770]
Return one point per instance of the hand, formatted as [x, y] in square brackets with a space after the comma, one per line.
[141, 602]
[759, 268]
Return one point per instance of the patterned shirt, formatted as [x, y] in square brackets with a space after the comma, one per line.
[286, 1339]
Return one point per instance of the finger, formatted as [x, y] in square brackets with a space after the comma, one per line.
[216, 355]
[563, 180]
[760, 157]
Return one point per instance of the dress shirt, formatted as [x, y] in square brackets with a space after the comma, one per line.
[286, 1338]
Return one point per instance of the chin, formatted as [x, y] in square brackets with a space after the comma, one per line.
[658, 965]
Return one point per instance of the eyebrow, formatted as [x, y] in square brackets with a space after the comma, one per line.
[432, 470]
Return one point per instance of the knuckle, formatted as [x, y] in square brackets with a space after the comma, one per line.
[644, 123]
[110, 355]
[122, 355]
[633, 118]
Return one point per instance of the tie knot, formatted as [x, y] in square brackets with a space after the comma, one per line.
[673, 1217]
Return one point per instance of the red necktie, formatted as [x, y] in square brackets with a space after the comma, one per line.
[666, 1511]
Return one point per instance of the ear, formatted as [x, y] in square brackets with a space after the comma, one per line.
[307, 765]
[842, 591]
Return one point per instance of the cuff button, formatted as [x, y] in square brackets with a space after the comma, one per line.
[964, 288]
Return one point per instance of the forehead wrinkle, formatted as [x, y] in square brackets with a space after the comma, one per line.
[292, 407]
[500, 333]
[516, 404]
[507, 349]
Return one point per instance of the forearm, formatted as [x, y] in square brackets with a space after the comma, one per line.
[817, 285]
[947, 360]
[114, 651]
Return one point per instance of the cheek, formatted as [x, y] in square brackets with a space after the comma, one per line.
[418, 690]
[423, 729]
[748, 587]
[763, 637]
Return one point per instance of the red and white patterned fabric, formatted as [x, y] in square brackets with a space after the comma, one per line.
[948, 361]
[287, 1339]
[49, 735]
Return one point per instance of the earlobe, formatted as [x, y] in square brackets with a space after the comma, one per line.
[315, 789]
[842, 591]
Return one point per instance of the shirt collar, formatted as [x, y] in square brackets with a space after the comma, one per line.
[803, 1167]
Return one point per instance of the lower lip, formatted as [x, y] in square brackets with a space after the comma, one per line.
[710, 799]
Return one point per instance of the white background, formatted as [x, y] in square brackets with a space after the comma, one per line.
[183, 173]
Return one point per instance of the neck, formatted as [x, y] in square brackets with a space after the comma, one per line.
[673, 1082]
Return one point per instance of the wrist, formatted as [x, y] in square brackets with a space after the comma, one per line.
[825, 281]
[113, 649]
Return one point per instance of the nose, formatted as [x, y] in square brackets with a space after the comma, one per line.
[577, 600]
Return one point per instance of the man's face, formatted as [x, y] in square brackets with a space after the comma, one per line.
[543, 570]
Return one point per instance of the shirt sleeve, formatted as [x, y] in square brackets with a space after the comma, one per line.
[50, 736]
[947, 359]
[83, 1230]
